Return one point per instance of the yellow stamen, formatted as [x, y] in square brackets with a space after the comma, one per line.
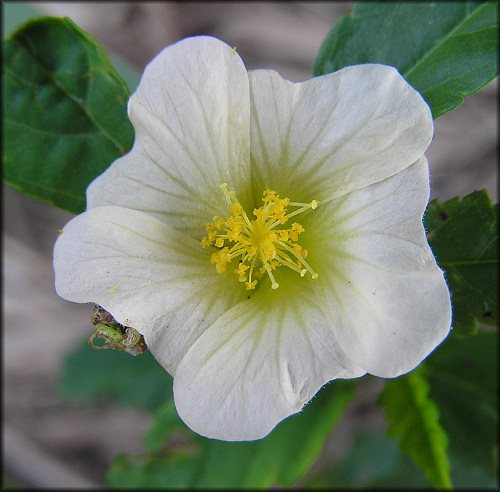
[258, 244]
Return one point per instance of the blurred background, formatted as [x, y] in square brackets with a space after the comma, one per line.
[50, 441]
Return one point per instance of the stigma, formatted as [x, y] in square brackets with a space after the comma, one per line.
[260, 245]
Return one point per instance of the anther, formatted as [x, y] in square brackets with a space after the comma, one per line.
[263, 240]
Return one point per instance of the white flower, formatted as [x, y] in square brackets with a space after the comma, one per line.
[368, 299]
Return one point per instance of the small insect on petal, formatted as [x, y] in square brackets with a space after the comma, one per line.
[114, 335]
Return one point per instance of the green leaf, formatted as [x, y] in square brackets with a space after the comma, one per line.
[445, 50]
[137, 381]
[463, 235]
[373, 460]
[165, 423]
[281, 458]
[17, 13]
[463, 378]
[65, 117]
[414, 418]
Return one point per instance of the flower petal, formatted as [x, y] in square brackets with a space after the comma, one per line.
[191, 116]
[336, 133]
[146, 274]
[382, 287]
[259, 363]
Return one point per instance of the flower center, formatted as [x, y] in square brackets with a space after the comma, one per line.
[259, 244]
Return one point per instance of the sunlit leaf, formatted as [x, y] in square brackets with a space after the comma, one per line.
[445, 50]
[414, 420]
[65, 116]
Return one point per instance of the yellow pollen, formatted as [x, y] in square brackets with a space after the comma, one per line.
[259, 245]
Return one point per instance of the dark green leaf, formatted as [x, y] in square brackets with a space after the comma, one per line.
[445, 50]
[463, 235]
[165, 423]
[414, 419]
[463, 378]
[281, 458]
[65, 118]
[17, 13]
[374, 461]
[138, 381]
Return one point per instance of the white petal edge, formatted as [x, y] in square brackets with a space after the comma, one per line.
[382, 287]
[259, 363]
[146, 274]
[191, 117]
[336, 133]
